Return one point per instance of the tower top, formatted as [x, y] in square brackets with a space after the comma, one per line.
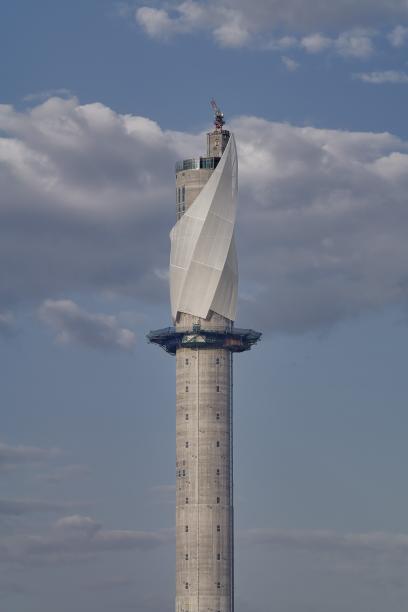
[218, 116]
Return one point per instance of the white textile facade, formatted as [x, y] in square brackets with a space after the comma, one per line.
[203, 261]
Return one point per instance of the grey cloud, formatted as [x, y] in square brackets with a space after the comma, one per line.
[398, 37]
[18, 507]
[10, 456]
[73, 324]
[379, 557]
[108, 584]
[87, 208]
[7, 324]
[75, 537]
[49, 93]
[63, 473]
[323, 220]
[372, 543]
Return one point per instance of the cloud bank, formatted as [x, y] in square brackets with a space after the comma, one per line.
[11, 456]
[74, 537]
[87, 205]
[74, 324]
[238, 23]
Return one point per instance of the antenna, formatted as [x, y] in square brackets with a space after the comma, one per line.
[219, 116]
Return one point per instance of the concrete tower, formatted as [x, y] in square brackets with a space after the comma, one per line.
[203, 287]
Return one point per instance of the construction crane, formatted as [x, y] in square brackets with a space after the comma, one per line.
[219, 116]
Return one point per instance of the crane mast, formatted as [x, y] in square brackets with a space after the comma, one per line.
[218, 115]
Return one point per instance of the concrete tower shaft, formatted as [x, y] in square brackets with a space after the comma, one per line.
[204, 494]
[204, 489]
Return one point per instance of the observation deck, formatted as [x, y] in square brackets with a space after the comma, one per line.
[235, 339]
[197, 163]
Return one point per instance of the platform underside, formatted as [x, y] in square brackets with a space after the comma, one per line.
[235, 340]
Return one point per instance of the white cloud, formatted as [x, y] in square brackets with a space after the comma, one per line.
[398, 37]
[85, 208]
[289, 63]
[282, 44]
[237, 22]
[187, 16]
[157, 22]
[233, 31]
[355, 43]
[315, 43]
[73, 324]
[380, 77]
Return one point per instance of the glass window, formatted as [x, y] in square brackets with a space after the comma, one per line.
[218, 528]
[186, 528]
[186, 417]
[218, 416]
[218, 388]
[218, 443]
[186, 444]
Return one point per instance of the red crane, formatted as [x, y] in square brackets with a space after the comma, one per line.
[219, 116]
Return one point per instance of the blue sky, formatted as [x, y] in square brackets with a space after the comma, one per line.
[98, 100]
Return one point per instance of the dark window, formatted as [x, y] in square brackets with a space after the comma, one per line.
[218, 443]
[217, 361]
[217, 416]
[186, 528]
[186, 444]
[186, 585]
[218, 388]
[218, 500]
[186, 500]
[183, 194]
[186, 361]
[184, 472]
[186, 388]
[218, 528]
[186, 417]
[186, 556]
[218, 471]
[218, 557]
[218, 585]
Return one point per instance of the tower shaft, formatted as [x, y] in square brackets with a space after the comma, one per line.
[204, 493]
